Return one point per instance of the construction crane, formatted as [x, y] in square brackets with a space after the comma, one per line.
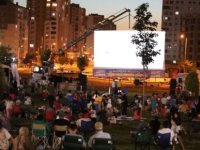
[99, 25]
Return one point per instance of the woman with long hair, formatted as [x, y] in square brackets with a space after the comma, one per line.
[22, 141]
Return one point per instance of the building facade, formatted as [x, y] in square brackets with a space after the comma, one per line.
[181, 21]
[14, 28]
[92, 20]
[48, 23]
[77, 26]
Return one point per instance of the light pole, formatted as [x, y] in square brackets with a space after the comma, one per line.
[183, 36]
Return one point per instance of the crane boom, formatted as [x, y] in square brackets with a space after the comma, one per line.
[99, 25]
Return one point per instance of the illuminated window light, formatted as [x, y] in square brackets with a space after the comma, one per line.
[48, 4]
[31, 45]
[48, 0]
[54, 4]
[32, 18]
[53, 14]
[177, 13]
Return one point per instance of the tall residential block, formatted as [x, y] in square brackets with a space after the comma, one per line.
[92, 20]
[48, 22]
[14, 28]
[77, 26]
[181, 21]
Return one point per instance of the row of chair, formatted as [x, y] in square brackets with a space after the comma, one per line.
[72, 142]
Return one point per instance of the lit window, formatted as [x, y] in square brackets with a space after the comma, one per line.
[166, 18]
[48, 4]
[16, 26]
[54, 4]
[53, 14]
[177, 13]
[31, 45]
[48, 0]
[32, 18]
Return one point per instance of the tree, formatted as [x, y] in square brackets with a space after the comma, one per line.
[192, 83]
[145, 41]
[82, 62]
[5, 55]
[45, 55]
[30, 57]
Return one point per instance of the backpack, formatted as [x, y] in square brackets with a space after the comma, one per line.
[143, 137]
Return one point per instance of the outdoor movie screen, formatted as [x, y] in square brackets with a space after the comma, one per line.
[114, 50]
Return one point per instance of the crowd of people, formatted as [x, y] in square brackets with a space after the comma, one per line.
[84, 113]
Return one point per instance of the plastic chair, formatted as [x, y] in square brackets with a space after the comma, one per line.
[72, 142]
[102, 144]
[59, 132]
[39, 134]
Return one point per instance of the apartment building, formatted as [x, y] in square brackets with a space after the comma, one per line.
[14, 28]
[181, 21]
[92, 20]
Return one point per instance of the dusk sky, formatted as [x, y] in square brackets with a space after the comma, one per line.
[110, 7]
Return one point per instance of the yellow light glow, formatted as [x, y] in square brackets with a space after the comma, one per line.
[54, 4]
[48, 4]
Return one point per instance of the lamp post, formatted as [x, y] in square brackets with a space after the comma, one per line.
[183, 36]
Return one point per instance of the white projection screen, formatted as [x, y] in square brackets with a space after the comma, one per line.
[113, 50]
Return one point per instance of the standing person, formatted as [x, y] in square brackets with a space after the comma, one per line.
[99, 133]
[124, 104]
[5, 138]
[113, 86]
[22, 141]
[119, 85]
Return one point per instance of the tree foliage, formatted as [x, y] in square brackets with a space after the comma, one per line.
[192, 82]
[29, 58]
[82, 62]
[45, 55]
[5, 55]
[145, 41]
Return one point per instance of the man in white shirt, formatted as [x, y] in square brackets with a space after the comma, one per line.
[99, 133]
[165, 136]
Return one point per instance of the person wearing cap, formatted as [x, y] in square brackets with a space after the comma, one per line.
[99, 133]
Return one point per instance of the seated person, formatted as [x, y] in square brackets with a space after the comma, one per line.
[85, 116]
[22, 141]
[60, 121]
[99, 133]
[49, 114]
[73, 131]
[5, 138]
[165, 136]
[137, 114]
[154, 125]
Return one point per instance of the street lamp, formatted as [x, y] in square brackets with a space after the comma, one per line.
[183, 36]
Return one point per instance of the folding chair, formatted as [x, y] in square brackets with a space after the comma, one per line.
[39, 134]
[72, 142]
[59, 132]
[102, 144]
